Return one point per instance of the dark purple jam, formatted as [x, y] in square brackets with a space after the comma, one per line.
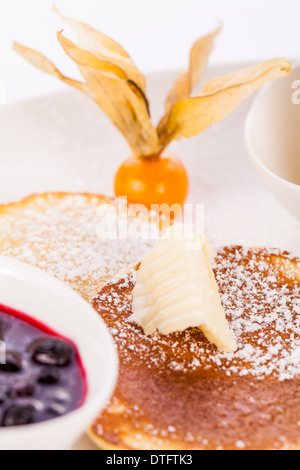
[42, 377]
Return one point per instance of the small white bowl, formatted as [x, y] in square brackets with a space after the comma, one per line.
[272, 135]
[57, 306]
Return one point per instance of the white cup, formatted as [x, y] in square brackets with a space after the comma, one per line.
[272, 135]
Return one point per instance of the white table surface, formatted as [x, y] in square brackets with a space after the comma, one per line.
[62, 141]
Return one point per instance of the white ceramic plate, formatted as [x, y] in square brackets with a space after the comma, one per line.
[64, 142]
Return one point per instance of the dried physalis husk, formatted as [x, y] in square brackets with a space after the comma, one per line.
[118, 96]
[42, 63]
[126, 109]
[111, 87]
[186, 81]
[105, 48]
[118, 87]
[87, 59]
[192, 115]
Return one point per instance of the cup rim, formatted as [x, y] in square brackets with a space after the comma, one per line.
[249, 143]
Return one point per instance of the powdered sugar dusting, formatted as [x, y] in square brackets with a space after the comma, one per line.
[261, 298]
[60, 234]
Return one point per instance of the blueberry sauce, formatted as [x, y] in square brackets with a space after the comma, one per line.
[42, 377]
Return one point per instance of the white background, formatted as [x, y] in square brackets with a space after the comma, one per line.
[157, 33]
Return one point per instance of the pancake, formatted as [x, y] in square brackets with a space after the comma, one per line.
[180, 392]
[73, 237]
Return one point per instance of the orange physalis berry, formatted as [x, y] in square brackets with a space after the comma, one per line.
[152, 180]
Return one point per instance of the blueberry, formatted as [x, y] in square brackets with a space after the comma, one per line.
[49, 375]
[13, 362]
[21, 389]
[2, 396]
[53, 352]
[17, 415]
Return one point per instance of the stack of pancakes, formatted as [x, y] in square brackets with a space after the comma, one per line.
[176, 391]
